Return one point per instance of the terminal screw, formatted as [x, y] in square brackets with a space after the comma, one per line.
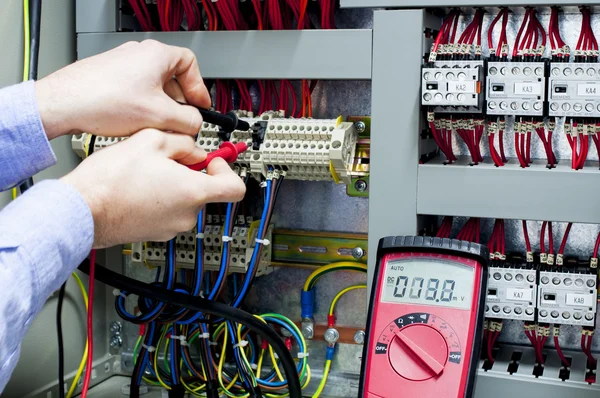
[116, 327]
[360, 126]
[359, 337]
[116, 342]
[358, 253]
[332, 335]
[360, 185]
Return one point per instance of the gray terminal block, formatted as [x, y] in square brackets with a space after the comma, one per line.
[453, 86]
[512, 293]
[567, 298]
[574, 90]
[516, 88]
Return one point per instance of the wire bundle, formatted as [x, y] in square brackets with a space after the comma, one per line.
[471, 34]
[499, 53]
[529, 35]
[441, 130]
[546, 139]
[445, 228]
[443, 43]
[497, 243]
[578, 137]
[470, 231]
[523, 130]
[560, 51]
[587, 45]
[497, 127]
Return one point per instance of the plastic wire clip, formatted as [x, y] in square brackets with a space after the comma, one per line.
[117, 292]
[181, 338]
[226, 238]
[204, 336]
[200, 235]
[265, 242]
[149, 348]
[241, 344]
[302, 355]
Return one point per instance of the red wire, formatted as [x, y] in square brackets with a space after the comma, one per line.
[502, 237]
[528, 148]
[550, 239]
[526, 235]
[561, 250]
[90, 329]
[520, 32]
[588, 347]
[596, 246]
[563, 359]
[543, 238]
[490, 346]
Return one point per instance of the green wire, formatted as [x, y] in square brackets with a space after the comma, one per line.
[318, 276]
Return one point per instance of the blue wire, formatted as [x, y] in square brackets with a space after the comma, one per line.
[263, 220]
[222, 272]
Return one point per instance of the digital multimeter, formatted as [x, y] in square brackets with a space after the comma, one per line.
[425, 318]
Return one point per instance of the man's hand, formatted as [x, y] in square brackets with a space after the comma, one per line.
[124, 90]
[140, 190]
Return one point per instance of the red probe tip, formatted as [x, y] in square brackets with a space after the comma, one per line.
[227, 151]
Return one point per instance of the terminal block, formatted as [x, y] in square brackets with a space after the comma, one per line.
[512, 292]
[453, 87]
[242, 247]
[307, 149]
[567, 297]
[516, 88]
[574, 90]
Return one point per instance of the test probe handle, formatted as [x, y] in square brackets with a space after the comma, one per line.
[229, 121]
[228, 151]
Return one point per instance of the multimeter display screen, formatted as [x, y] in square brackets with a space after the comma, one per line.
[428, 282]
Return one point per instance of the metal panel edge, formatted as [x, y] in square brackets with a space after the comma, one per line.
[510, 192]
[96, 15]
[317, 54]
[395, 123]
[455, 3]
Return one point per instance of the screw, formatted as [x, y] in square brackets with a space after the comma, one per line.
[358, 253]
[116, 327]
[308, 331]
[116, 342]
[360, 126]
[359, 337]
[360, 185]
[331, 335]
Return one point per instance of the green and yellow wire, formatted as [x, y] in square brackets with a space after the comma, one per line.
[340, 266]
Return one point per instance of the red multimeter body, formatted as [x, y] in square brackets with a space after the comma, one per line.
[425, 319]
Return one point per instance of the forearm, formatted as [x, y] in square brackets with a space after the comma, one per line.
[43, 237]
[24, 146]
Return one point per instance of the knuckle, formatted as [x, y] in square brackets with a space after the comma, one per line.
[151, 43]
[187, 223]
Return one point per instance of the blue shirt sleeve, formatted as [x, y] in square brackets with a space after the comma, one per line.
[24, 147]
[44, 234]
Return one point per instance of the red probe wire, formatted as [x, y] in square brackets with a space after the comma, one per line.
[526, 235]
[90, 328]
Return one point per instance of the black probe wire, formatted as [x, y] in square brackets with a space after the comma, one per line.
[61, 351]
[200, 304]
[35, 22]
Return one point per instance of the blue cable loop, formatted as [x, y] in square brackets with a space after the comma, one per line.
[222, 272]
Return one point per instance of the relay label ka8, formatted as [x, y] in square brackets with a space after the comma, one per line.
[425, 320]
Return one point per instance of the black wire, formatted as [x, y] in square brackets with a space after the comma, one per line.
[61, 351]
[208, 307]
[35, 20]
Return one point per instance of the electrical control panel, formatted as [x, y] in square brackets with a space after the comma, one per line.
[512, 293]
[567, 298]
[453, 86]
[516, 88]
[574, 90]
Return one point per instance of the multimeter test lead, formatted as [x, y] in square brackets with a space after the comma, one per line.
[228, 122]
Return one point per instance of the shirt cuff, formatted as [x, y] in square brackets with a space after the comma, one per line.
[53, 224]
[24, 146]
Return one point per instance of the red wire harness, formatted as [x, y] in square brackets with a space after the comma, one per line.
[497, 127]
[142, 14]
[495, 327]
[563, 359]
[560, 51]
[441, 130]
[445, 36]
[445, 228]
[587, 334]
[529, 35]
[471, 34]
[561, 250]
[497, 243]
[577, 135]
[529, 254]
[470, 231]
[90, 326]
[587, 45]
[501, 51]
[523, 129]
[546, 139]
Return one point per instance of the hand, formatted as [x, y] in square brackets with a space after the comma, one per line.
[140, 190]
[124, 90]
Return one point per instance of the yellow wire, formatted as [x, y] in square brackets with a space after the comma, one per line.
[26, 40]
[260, 361]
[220, 369]
[340, 294]
[275, 364]
[341, 264]
[162, 336]
[323, 379]
[25, 58]
[85, 351]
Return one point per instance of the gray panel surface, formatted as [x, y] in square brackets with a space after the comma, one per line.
[395, 123]
[96, 16]
[317, 54]
[508, 192]
[453, 3]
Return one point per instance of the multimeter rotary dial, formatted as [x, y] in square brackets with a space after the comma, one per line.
[419, 346]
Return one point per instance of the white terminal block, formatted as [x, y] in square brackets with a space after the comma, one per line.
[516, 88]
[574, 90]
[567, 298]
[453, 86]
[512, 293]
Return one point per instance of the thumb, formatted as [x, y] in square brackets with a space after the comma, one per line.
[176, 117]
